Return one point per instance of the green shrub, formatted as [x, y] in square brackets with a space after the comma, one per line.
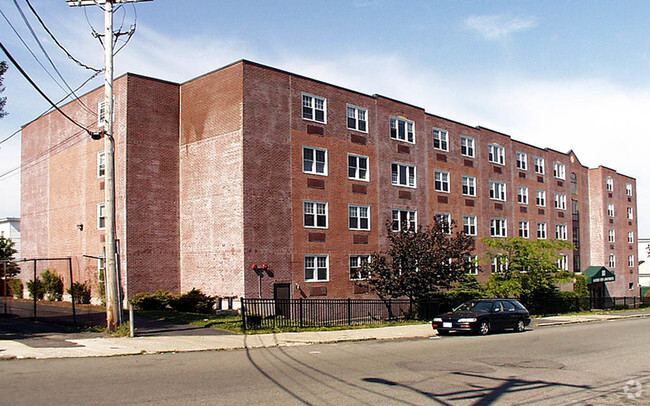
[156, 301]
[80, 292]
[194, 301]
[16, 288]
[36, 289]
[53, 285]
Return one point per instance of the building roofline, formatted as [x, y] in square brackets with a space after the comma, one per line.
[7, 219]
[613, 170]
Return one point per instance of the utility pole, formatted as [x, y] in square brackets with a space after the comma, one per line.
[113, 300]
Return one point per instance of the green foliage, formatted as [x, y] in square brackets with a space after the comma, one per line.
[157, 301]
[580, 285]
[80, 292]
[7, 252]
[419, 261]
[53, 285]
[3, 100]
[16, 288]
[36, 289]
[194, 301]
[528, 268]
[454, 298]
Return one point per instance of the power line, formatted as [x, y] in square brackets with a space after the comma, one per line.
[22, 72]
[9, 137]
[57, 42]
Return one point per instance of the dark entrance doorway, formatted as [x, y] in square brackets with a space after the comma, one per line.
[281, 295]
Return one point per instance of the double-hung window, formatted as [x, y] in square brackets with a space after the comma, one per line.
[561, 232]
[314, 160]
[317, 268]
[402, 129]
[559, 170]
[469, 185]
[359, 217]
[357, 118]
[630, 261]
[522, 194]
[610, 209]
[314, 108]
[563, 263]
[630, 213]
[541, 198]
[404, 219]
[496, 154]
[467, 146]
[539, 165]
[101, 164]
[612, 261]
[630, 237]
[101, 216]
[524, 230]
[356, 267]
[628, 189]
[522, 161]
[611, 235]
[609, 184]
[440, 139]
[442, 181]
[541, 231]
[470, 225]
[497, 191]
[473, 264]
[358, 167]
[560, 201]
[315, 214]
[445, 220]
[403, 175]
[498, 228]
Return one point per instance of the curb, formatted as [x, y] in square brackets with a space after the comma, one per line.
[606, 318]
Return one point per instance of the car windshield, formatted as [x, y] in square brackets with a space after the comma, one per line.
[474, 306]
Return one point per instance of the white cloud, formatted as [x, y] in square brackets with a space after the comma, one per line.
[496, 27]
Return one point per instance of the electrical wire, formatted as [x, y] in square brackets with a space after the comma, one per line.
[31, 30]
[38, 89]
[57, 42]
[9, 137]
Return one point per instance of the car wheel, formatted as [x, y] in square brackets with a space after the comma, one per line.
[443, 332]
[521, 326]
[484, 328]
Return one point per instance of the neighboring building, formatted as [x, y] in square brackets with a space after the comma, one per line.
[253, 165]
[644, 264]
[10, 228]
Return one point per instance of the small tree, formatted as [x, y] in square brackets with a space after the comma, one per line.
[53, 285]
[419, 261]
[7, 252]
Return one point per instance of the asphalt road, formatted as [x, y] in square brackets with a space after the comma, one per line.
[594, 363]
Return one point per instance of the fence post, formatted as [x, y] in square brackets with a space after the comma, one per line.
[349, 312]
[243, 314]
[301, 314]
[390, 309]
[74, 312]
[35, 289]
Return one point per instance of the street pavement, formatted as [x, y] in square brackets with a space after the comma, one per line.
[48, 341]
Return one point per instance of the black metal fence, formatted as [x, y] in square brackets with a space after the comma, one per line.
[299, 313]
[560, 305]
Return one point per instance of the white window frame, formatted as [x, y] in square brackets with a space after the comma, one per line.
[539, 165]
[611, 235]
[101, 164]
[473, 260]
[498, 191]
[441, 182]
[316, 266]
[470, 225]
[354, 212]
[522, 194]
[357, 113]
[524, 229]
[522, 161]
[357, 167]
[311, 208]
[563, 262]
[101, 216]
[408, 136]
[630, 237]
[540, 199]
[559, 170]
[445, 218]
[630, 261]
[411, 175]
[542, 232]
[498, 227]
[561, 232]
[609, 184]
[628, 189]
[467, 147]
[610, 210]
[496, 154]
[469, 186]
[312, 107]
[630, 213]
[560, 201]
[612, 261]
[410, 216]
[441, 138]
[314, 170]
[356, 262]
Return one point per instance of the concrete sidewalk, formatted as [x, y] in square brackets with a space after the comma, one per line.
[61, 345]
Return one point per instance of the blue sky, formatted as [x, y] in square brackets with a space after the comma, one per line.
[565, 75]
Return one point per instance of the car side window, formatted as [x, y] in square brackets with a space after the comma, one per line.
[508, 307]
[497, 307]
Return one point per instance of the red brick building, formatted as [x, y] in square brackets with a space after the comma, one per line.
[252, 165]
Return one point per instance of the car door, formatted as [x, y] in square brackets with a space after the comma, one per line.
[497, 316]
[510, 314]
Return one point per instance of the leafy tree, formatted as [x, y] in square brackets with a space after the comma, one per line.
[419, 261]
[7, 252]
[53, 285]
[3, 100]
[525, 268]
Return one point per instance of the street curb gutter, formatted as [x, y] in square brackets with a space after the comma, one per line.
[589, 319]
